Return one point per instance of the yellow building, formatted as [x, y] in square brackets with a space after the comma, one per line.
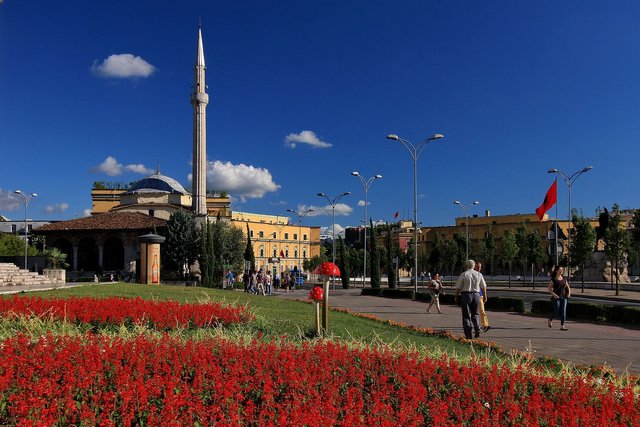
[278, 243]
[479, 226]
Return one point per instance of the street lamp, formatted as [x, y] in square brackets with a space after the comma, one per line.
[466, 223]
[333, 202]
[415, 151]
[366, 183]
[569, 180]
[300, 215]
[25, 201]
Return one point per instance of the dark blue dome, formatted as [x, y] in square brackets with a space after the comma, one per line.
[157, 183]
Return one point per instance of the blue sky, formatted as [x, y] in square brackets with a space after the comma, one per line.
[302, 93]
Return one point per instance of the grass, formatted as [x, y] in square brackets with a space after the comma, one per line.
[277, 317]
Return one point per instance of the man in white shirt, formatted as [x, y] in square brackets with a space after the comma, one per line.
[468, 288]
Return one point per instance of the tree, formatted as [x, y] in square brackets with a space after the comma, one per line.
[218, 243]
[635, 236]
[582, 243]
[535, 254]
[523, 248]
[12, 245]
[509, 250]
[206, 255]
[451, 255]
[249, 256]
[488, 250]
[56, 258]
[181, 247]
[435, 259]
[391, 272]
[375, 258]
[313, 262]
[617, 245]
[343, 263]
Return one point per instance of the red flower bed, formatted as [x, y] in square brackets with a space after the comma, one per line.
[92, 380]
[159, 314]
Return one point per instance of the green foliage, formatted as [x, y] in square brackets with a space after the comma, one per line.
[56, 258]
[617, 243]
[522, 255]
[391, 271]
[451, 255]
[375, 258]
[249, 256]
[313, 262]
[509, 250]
[583, 242]
[182, 244]
[535, 254]
[206, 255]
[12, 245]
[343, 263]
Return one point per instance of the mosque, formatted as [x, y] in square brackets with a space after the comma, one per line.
[108, 239]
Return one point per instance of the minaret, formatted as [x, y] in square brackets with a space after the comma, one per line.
[199, 100]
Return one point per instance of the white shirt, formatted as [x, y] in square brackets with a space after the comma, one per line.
[471, 281]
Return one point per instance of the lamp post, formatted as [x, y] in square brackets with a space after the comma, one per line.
[466, 222]
[333, 202]
[279, 226]
[300, 215]
[25, 201]
[366, 183]
[569, 180]
[415, 151]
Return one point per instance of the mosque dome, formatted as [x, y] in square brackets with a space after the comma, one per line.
[157, 183]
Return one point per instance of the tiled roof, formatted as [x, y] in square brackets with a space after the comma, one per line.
[107, 221]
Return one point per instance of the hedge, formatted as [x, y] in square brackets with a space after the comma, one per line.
[593, 312]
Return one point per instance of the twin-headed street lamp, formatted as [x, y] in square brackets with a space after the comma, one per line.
[466, 223]
[25, 200]
[366, 183]
[300, 216]
[415, 151]
[569, 180]
[333, 202]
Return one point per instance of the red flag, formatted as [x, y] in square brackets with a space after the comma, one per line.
[550, 199]
[396, 214]
[281, 253]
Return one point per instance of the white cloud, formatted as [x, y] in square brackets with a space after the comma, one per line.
[8, 202]
[139, 168]
[362, 202]
[305, 137]
[329, 230]
[240, 180]
[58, 207]
[86, 212]
[123, 66]
[341, 209]
[111, 167]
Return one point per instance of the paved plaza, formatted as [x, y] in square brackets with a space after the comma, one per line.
[584, 342]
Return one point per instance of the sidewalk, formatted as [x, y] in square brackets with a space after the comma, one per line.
[583, 343]
[8, 290]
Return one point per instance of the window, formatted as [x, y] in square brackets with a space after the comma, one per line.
[29, 227]
[152, 212]
[260, 233]
[273, 235]
[275, 251]
[286, 236]
[304, 237]
[295, 236]
[251, 233]
[295, 253]
[286, 253]
[14, 228]
[262, 251]
[304, 254]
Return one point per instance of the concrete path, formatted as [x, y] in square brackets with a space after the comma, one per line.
[583, 343]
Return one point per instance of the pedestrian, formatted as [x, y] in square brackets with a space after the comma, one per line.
[560, 293]
[267, 282]
[435, 287]
[468, 295]
[253, 282]
[484, 319]
[260, 282]
[230, 279]
[276, 281]
[246, 280]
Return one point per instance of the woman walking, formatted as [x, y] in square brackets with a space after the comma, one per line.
[560, 293]
[435, 287]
